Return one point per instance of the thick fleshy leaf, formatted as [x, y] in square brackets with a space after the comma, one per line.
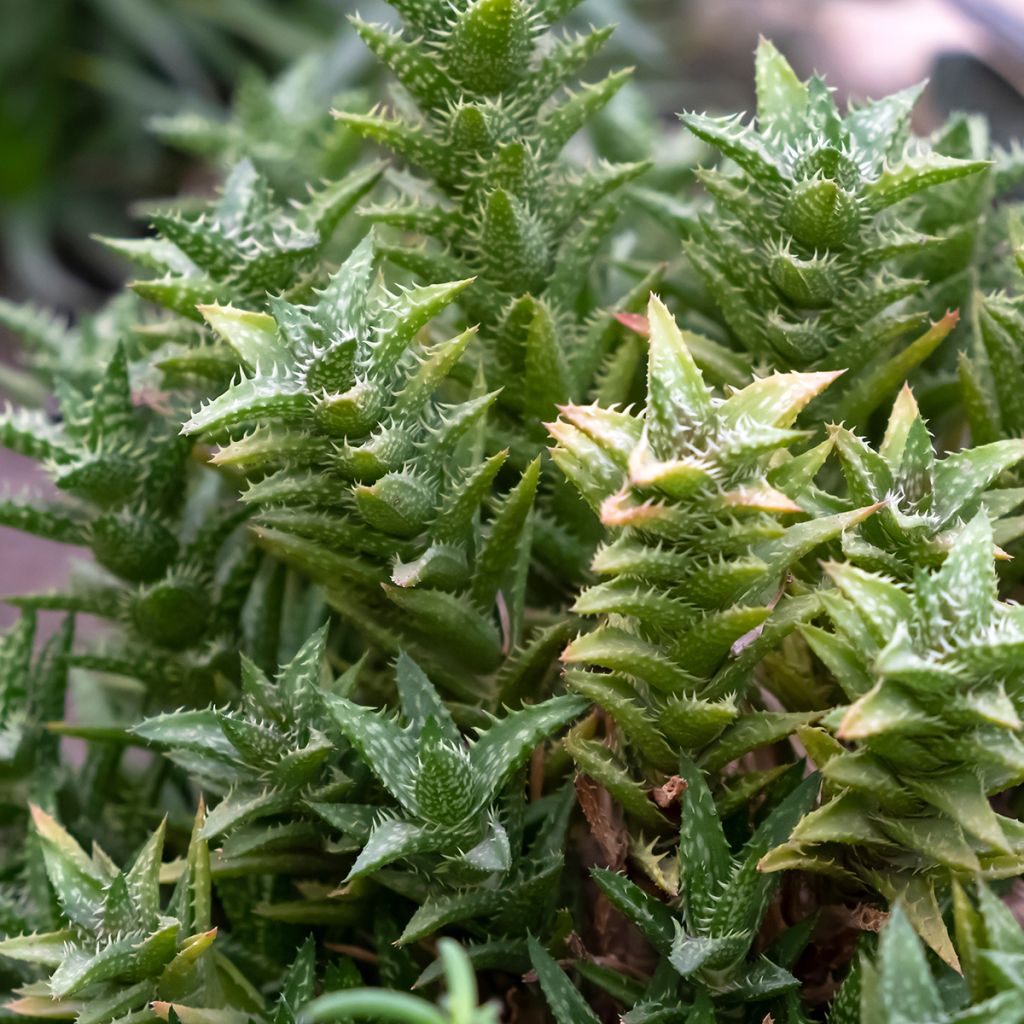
[562, 996]
[648, 913]
[678, 405]
[915, 174]
[77, 879]
[744, 897]
[392, 840]
[386, 748]
[704, 855]
[906, 985]
[128, 958]
[505, 745]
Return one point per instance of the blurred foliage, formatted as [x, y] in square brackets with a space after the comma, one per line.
[80, 79]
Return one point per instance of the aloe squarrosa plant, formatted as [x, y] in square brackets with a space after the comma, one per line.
[506, 616]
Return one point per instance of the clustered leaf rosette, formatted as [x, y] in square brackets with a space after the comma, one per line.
[525, 897]
[926, 500]
[972, 218]
[247, 245]
[706, 934]
[52, 351]
[701, 502]
[446, 791]
[804, 247]
[284, 778]
[172, 577]
[494, 196]
[762, 598]
[931, 670]
[361, 477]
[120, 955]
[264, 756]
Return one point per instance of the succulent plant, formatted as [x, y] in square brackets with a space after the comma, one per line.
[338, 400]
[51, 350]
[282, 124]
[493, 196]
[899, 984]
[723, 899]
[926, 500]
[265, 755]
[119, 954]
[172, 578]
[701, 501]
[990, 372]
[930, 672]
[248, 243]
[446, 789]
[803, 251]
[450, 697]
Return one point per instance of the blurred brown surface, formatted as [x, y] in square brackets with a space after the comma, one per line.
[27, 564]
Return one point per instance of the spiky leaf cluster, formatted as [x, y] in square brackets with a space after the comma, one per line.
[52, 351]
[121, 954]
[803, 251]
[931, 670]
[723, 899]
[171, 578]
[247, 244]
[972, 217]
[361, 475]
[763, 596]
[926, 499]
[700, 499]
[523, 896]
[263, 755]
[899, 984]
[283, 125]
[991, 371]
[444, 790]
[494, 196]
